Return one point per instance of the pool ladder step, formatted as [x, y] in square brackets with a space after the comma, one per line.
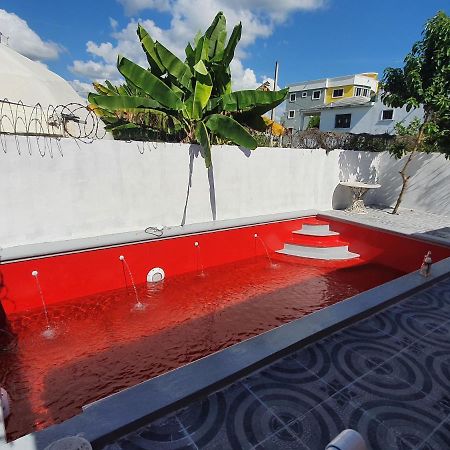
[317, 241]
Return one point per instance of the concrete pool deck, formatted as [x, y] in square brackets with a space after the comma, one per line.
[106, 424]
[422, 225]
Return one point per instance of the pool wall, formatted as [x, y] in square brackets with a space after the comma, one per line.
[82, 273]
[59, 190]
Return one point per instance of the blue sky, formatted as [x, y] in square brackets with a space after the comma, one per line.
[310, 38]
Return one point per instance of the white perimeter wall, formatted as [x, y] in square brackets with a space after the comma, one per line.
[82, 190]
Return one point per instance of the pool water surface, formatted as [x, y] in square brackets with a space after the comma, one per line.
[103, 345]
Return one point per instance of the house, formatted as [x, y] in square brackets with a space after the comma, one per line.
[344, 104]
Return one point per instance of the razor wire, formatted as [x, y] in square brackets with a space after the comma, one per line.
[47, 125]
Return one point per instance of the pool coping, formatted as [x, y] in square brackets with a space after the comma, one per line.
[44, 249]
[110, 418]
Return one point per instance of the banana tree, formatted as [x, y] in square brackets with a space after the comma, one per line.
[190, 100]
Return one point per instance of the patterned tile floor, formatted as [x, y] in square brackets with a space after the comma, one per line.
[387, 376]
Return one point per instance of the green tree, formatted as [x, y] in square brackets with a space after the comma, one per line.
[314, 122]
[188, 100]
[423, 81]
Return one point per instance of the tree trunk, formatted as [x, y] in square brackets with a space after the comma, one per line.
[405, 177]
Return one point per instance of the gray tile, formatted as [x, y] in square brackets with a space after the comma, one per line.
[285, 440]
[165, 433]
[290, 401]
[409, 325]
[412, 421]
[337, 361]
[439, 439]
[231, 418]
[322, 424]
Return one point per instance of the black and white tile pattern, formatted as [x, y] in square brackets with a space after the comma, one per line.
[387, 377]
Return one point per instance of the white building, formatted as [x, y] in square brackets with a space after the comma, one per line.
[348, 104]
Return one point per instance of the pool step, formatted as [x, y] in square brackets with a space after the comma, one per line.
[326, 253]
[332, 240]
[316, 230]
[316, 241]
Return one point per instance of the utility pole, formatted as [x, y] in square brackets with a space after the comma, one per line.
[275, 82]
[272, 114]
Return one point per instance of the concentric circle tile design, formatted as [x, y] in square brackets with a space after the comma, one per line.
[317, 428]
[162, 434]
[233, 418]
[412, 424]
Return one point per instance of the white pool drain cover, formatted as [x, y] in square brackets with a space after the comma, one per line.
[155, 275]
[70, 443]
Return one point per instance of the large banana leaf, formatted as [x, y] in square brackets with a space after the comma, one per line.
[229, 129]
[201, 133]
[217, 35]
[149, 83]
[104, 90]
[241, 101]
[228, 53]
[222, 78]
[202, 49]
[190, 55]
[203, 89]
[122, 102]
[252, 120]
[177, 69]
[148, 46]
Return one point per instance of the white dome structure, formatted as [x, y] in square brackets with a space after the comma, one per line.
[36, 101]
[29, 82]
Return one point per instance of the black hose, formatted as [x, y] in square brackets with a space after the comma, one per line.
[155, 231]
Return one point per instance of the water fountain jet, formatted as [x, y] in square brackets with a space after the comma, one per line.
[139, 306]
[200, 267]
[49, 332]
[272, 264]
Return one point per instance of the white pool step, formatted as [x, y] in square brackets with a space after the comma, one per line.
[316, 230]
[325, 253]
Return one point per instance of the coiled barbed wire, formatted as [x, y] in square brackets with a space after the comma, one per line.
[48, 124]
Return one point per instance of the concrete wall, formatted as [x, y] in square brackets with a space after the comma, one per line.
[81, 190]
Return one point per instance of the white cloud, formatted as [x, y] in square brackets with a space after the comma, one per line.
[93, 70]
[259, 19]
[24, 40]
[82, 88]
[133, 6]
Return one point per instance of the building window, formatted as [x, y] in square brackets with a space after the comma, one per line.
[292, 97]
[338, 92]
[304, 94]
[316, 95]
[291, 114]
[362, 92]
[387, 114]
[342, 120]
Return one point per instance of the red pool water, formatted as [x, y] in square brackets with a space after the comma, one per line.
[103, 346]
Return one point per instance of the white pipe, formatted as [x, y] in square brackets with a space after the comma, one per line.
[347, 440]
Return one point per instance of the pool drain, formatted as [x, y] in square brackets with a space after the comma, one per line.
[155, 275]
[70, 443]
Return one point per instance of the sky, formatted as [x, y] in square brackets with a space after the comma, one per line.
[311, 39]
